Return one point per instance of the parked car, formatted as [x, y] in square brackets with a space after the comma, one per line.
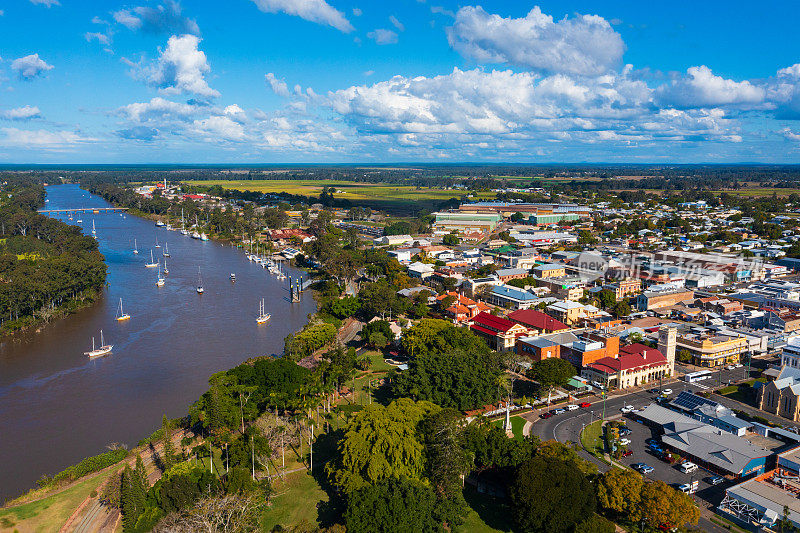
[623, 431]
[651, 440]
[585, 404]
[738, 365]
[714, 480]
[546, 415]
[624, 442]
[625, 409]
[645, 468]
[558, 411]
[638, 466]
[666, 392]
[687, 467]
[730, 367]
[571, 407]
[627, 453]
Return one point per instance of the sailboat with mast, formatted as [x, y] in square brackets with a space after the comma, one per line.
[184, 231]
[166, 249]
[157, 245]
[200, 289]
[152, 263]
[160, 279]
[263, 316]
[94, 230]
[135, 247]
[122, 315]
[166, 270]
[102, 350]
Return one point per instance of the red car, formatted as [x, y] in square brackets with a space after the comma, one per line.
[627, 453]
[546, 415]
[585, 404]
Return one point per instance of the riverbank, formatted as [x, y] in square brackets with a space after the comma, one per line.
[10, 330]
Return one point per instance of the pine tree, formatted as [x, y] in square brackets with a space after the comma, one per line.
[127, 504]
[168, 451]
[139, 485]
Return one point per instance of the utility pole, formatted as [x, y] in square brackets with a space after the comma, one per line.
[311, 447]
[253, 449]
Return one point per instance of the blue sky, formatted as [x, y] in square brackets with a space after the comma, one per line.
[291, 81]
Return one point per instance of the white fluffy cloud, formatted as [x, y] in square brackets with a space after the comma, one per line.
[166, 17]
[158, 109]
[318, 11]
[30, 66]
[15, 137]
[383, 36]
[21, 113]
[790, 135]
[584, 45]
[180, 69]
[396, 23]
[278, 86]
[702, 88]
[46, 3]
[505, 108]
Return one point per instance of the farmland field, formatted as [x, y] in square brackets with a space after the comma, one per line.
[378, 195]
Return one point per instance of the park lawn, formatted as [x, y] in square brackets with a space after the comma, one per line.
[517, 423]
[295, 500]
[31, 517]
[377, 364]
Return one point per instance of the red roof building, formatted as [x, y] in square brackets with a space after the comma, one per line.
[500, 334]
[463, 308]
[636, 365]
[537, 322]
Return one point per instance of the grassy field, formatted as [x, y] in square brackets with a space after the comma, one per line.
[592, 438]
[360, 193]
[517, 423]
[48, 514]
[296, 500]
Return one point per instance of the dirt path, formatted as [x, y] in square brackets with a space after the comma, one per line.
[92, 516]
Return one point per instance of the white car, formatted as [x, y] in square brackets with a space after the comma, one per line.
[627, 409]
[572, 407]
[738, 365]
[730, 367]
[666, 392]
[624, 442]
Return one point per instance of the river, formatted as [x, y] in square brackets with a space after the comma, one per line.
[57, 406]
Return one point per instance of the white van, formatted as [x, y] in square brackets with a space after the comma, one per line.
[688, 467]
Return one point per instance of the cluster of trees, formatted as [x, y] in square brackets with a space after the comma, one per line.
[308, 340]
[448, 366]
[47, 267]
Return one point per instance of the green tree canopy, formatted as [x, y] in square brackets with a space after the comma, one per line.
[550, 495]
[392, 506]
[380, 443]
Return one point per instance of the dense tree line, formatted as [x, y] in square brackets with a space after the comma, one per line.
[47, 267]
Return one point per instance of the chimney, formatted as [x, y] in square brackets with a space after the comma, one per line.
[644, 354]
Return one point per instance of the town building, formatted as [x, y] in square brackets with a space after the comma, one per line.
[659, 296]
[510, 297]
[507, 274]
[711, 348]
[420, 270]
[790, 354]
[782, 396]
[635, 365]
[393, 240]
[537, 322]
[465, 222]
[500, 334]
[463, 309]
[572, 313]
[550, 270]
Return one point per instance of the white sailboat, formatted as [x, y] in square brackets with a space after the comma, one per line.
[94, 231]
[166, 250]
[152, 263]
[102, 350]
[262, 315]
[135, 247]
[200, 289]
[157, 245]
[184, 231]
[160, 279]
[122, 315]
[166, 270]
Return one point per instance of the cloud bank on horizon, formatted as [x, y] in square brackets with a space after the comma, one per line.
[317, 80]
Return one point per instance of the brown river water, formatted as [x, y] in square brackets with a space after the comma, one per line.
[57, 406]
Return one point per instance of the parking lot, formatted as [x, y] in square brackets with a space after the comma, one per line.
[664, 471]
